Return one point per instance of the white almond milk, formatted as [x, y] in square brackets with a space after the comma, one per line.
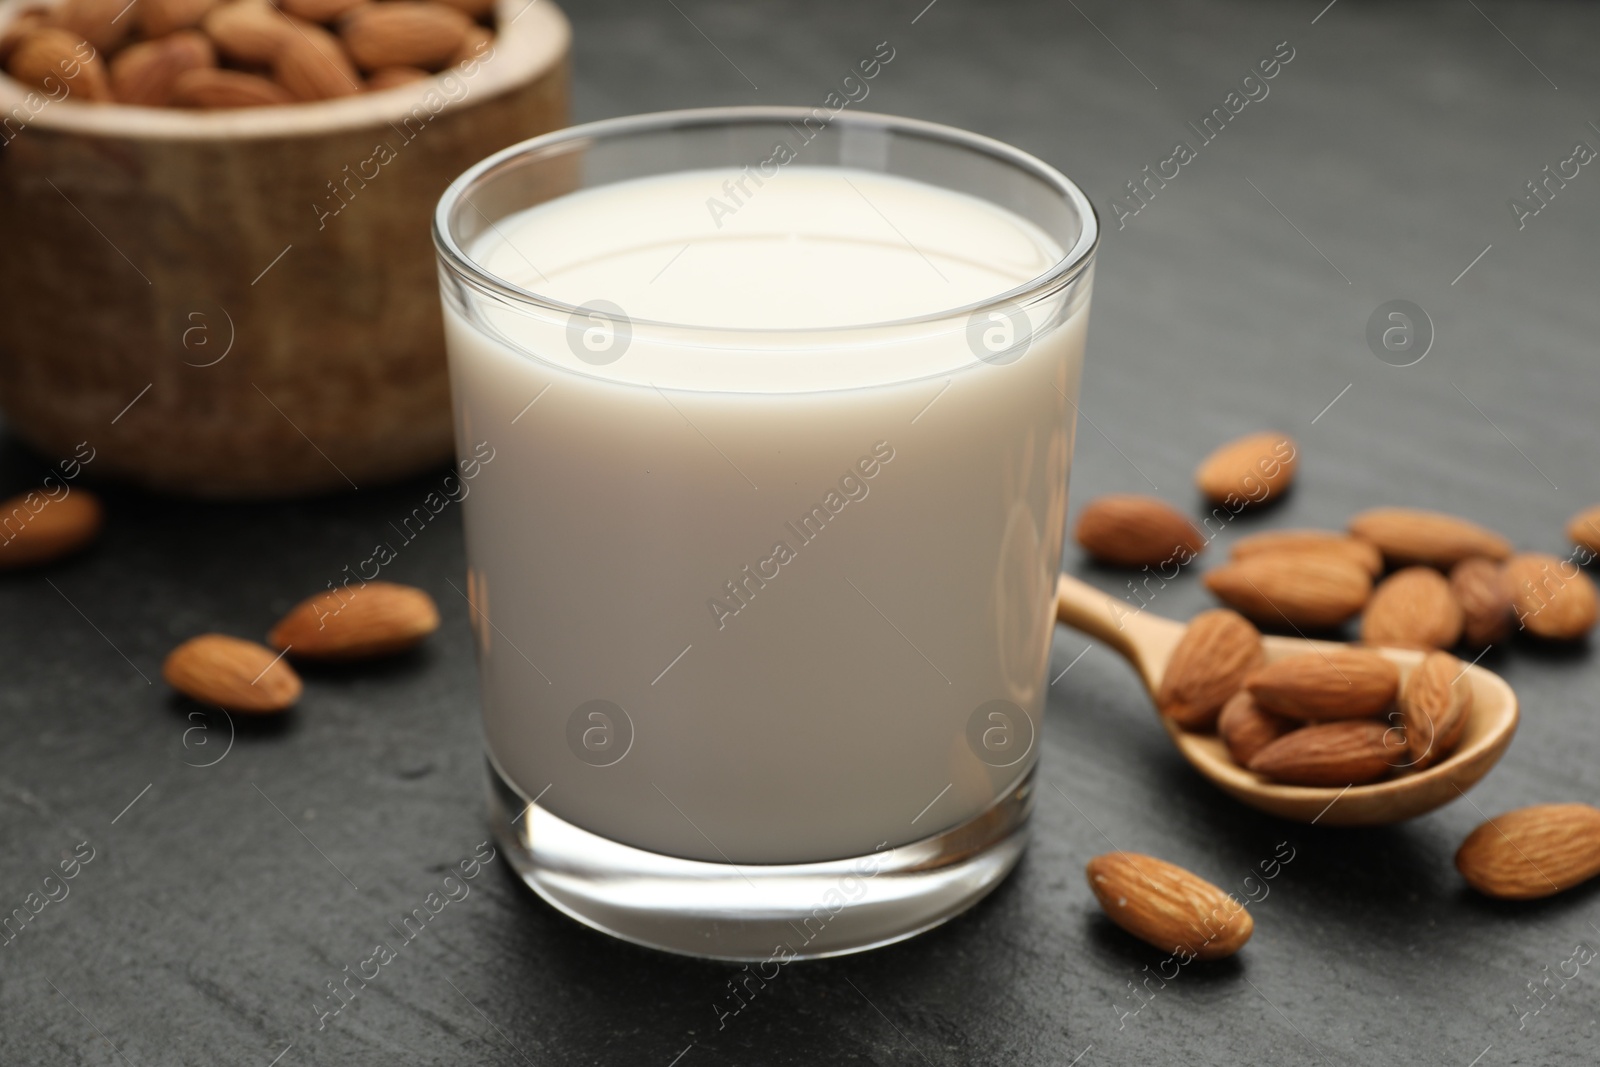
[801, 563]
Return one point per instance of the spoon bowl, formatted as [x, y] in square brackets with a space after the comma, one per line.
[1146, 641]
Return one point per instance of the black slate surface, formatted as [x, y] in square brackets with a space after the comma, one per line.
[1378, 167]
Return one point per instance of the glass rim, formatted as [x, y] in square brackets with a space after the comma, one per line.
[1074, 262]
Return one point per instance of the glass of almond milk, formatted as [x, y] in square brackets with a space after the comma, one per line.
[778, 405]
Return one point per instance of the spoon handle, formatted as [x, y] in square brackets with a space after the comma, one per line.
[1143, 639]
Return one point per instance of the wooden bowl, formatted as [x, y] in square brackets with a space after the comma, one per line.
[245, 303]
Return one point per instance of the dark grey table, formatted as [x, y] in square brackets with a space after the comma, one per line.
[220, 899]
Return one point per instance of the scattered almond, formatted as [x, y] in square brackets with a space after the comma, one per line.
[1127, 530]
[1246, 728]
[1412, 535]
[1479, 586]
[157, 18]
[1299, 589]
[1435, 702]
[1532, 852]
[211, 88]
[376, 619]
[1353, 752]
[51, 56]
[233, 674]
[247, 31]
[1412, 608]
[404, 33]
[37, 529]
[313, 65]
[1584, 528]
[1167, 907]
[1209, 664]
[145, 73]
[1552, 598]
[1250, 470]
[103, 23]
[1339, 683]
[1360, 553]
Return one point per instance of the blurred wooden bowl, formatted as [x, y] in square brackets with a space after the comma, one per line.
[245, 303]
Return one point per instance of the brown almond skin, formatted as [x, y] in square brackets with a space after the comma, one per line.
[392, 77]
[97, 21]
[476, 9]
[1584, 528]
[1331, 542]
[476, 43]
[1340, 683]
[1480, 588]
[1532, 852]
[247, 32]
[1353, 752]
[313, 65]
[1412, 608]
[375, 619]
[319, 10]
[1435, 703]
[1408, 536]
[35, 529]
[145, 73]
[157, 18]
[1209, 664]
[1128, 530]
[50, 57]
[1296, 589]
[1247, 728]
[233, 674]
[24, 23]
[1551, 598]
[212, 88]
[1252, 469]
[1168, 907]
[404, 33]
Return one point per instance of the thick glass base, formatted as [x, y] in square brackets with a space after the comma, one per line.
[759, 911]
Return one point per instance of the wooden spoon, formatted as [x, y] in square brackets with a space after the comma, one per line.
[1146, 641]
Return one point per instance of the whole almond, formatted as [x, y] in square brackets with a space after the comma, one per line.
[392, 77]
[247, 31]
[375, 619]
[157, 18]
[1339, 683]
[145, 73]
[37, 529]
[1217, 649]
[103, 23]
[24, 23]
[1250, 470]
[1435, 702]
[1584, 528]
[50, 57]
[209, 87]
[1128, 530]
[1331, 542]
[1299, 589]
[313, 65]
[1412, 535]
[1532, 852]
[233, 674]
[1480, 588]
[1247, 728]
[1167, 907]
[404, 33]
[1412, 608]
[1328, 754]
[1552, 598]
[319, 10]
